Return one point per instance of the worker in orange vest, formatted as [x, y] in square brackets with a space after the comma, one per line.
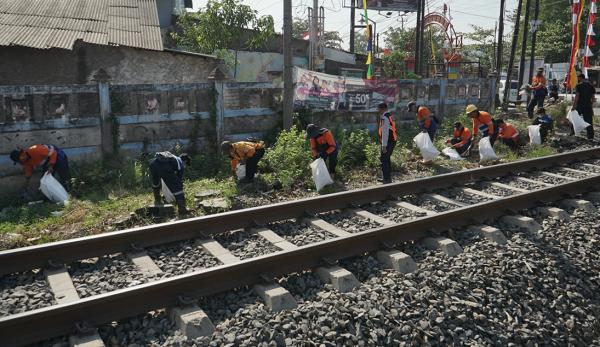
[426, 121]
[323, 145]
[387, 139]
[462, 139]
[538, 87]
[482, 122]
[508, 134]
[48, 157]
[248, 153]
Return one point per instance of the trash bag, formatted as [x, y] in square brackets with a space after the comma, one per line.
[53, 190]
[240, 171]
[578, 123]
[320, 173]
[452, 153]
[535, 138]
[486, 151]
[428, 150]
[169, 197]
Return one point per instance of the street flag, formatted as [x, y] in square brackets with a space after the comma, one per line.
[589, 40]
[577, 8]
[369, 44]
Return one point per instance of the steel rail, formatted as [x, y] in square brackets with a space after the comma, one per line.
[45, 323]
[32, 257]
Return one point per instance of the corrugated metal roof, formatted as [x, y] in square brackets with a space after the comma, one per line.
[59, 23]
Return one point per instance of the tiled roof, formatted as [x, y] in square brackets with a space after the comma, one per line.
[59, 23]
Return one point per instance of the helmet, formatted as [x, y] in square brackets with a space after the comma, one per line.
[225, 146]
[471, 108]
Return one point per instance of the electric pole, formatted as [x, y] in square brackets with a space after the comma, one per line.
[524, 46]
[418, 38]
[352, 22]
[314, 30]
[534, 30]
[288, 83]
[500, 39]
[423, 2]
[511, 61]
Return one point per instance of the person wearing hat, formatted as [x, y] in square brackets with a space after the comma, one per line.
[585, 95]
[323, 145]
[247, 153]
[387, 139]
[462, 139]
[169, 168]
[482, 121]
[545, 122]
[425, 119]
[50, 158]
[538, 87]
[508, 134]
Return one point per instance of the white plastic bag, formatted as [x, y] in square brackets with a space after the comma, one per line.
[169, 197]
[428, 150]
[578, 123]
[486, 151]
[53, 190]
[240, 171]
[320, 174]
[452, 153]
[535, 138]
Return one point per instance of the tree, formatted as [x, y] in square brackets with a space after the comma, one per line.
[482, 48]
[220, 24]
[331, 39]
[360, 42]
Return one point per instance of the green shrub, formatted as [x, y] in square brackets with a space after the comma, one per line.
[353, 148]
[372, 152]
[290, 157]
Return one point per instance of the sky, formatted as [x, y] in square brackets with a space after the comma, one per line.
[337, 18]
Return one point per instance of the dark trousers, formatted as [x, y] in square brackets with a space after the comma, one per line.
[386, 162]
[462, 149]
[332, 164]
[61, 168]
[163, 170]
[535, 101]
[511, 143]
[588, 117]
[494, 137]
[252, 163]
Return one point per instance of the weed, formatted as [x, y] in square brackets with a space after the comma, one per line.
[290, 157]
[353, 148]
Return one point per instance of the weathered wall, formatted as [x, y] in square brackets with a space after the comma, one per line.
[28, 66]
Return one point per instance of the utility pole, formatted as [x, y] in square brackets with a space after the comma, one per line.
[314, 29]
[494, 56]
[511, 61]
[423, 2]
[288, 84]
[500, 38]
[524, 46]
[352, 23]
[418, 38]
[534, 30]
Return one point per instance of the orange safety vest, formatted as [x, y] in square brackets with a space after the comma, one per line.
[324, 140]
[392, 127]
[243, 150]
[464, 136]
[39, 155]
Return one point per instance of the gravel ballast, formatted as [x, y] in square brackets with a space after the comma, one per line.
[245, 245]
[25, 291]
[428, 204]
[181, 257]
[300, 233]
[348, 221]
[463, 197]
[490, 189]
[105, 274]
[391, 212]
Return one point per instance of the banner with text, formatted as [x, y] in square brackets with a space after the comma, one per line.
[321, 91]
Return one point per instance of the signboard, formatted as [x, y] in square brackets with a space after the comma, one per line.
[319, 91]
[385, 5]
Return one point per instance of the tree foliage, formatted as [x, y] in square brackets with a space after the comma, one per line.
[361, 42]
[220, 24]
[481, 47]
[331, 39]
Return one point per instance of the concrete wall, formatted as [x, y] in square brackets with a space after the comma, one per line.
[28, 66]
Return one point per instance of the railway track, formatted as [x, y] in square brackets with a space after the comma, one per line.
[336, 226]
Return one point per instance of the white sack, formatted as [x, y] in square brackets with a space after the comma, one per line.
[428, 150]
[53, 190]
[240, 171]
[578, 123]
[169, 197]
[535, 138]
[486, 151]
[320, 174]
[452, 153]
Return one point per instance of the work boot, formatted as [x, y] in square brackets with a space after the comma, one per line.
[157, 197]
[182, 211]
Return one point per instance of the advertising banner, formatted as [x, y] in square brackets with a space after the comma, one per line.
[321, 91]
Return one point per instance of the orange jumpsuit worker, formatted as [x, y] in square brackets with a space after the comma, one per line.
[50, 158]
[323, 145]
[426, 121]
[508, 134]
[482, 121]
[244, 152]
[462, 138]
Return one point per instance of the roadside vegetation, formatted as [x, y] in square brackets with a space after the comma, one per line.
[107, 194]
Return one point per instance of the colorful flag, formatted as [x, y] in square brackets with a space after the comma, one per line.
[577, 8]
[369, 44]
[589, 41]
